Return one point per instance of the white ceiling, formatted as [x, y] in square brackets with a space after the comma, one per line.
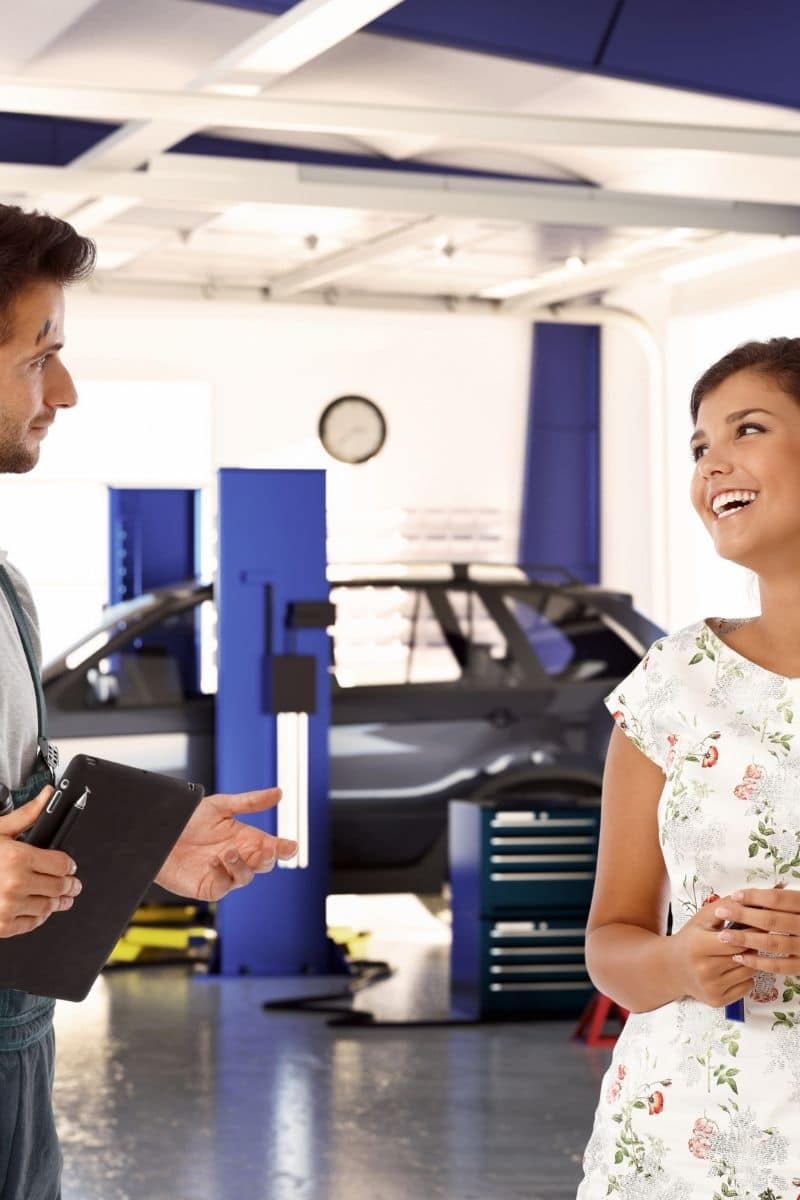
[624, 208]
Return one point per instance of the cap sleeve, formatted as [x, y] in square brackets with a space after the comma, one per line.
[636, 704]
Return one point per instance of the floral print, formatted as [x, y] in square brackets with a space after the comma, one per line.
[695, 1106]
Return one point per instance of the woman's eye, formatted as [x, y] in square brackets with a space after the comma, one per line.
[41, 363]
[697, 451]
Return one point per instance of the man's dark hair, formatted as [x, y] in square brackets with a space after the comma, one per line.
[778, 358]
[34, 246]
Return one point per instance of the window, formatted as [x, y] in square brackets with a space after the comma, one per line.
[389, 635]
[568, 637]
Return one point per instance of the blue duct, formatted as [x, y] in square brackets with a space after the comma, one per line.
[561, 486]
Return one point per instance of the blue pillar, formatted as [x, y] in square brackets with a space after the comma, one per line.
[561, 486]
[271, 556]
[154, 541]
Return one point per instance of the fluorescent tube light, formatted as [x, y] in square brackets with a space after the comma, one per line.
[308, 29]
[292, 773]
[248, 90]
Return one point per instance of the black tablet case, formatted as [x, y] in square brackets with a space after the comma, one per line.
[131, 822]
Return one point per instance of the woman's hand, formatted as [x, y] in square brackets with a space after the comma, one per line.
[705, 964]
[216, 853]
[772, 940]
[34, 883]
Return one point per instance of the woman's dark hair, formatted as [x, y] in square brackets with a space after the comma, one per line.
[35, 247]
[779, 358]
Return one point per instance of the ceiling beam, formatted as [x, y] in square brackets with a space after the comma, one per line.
[207, 184]
[305, 31]
[330, 267]
[193, 110]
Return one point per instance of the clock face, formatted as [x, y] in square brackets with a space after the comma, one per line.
[352, 429]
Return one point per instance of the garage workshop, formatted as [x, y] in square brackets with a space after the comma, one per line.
[399, 407]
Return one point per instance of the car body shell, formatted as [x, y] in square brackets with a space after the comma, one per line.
[509, 721]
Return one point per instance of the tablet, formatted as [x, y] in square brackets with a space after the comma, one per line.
[119, 824]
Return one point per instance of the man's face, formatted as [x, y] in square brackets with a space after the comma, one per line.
[34, 383]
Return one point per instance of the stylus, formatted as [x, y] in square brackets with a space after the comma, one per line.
[70, 819]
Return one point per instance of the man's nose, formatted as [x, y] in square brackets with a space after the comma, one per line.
[61, 391]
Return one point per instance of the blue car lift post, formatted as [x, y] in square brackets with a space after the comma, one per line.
[273, 708]
[154, 541]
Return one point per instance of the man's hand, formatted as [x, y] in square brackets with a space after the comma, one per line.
[772, 940]
[34, 883]
[216, 853]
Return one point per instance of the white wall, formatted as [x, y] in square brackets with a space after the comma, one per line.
[453, 389]
[695, 324]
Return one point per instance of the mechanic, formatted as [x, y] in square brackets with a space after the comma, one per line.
[39, 257]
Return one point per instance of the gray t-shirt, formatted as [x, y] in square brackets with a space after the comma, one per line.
[18, 722]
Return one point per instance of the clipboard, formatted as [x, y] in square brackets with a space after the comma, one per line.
[119, 824]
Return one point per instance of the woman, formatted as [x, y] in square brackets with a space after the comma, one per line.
[701, 816]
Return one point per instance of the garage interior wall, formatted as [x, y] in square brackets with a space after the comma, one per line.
[454, 392]
[695, 323]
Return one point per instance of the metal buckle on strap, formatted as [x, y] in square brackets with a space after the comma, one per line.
[49, 754]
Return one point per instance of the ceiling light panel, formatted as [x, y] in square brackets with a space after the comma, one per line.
[300, 220]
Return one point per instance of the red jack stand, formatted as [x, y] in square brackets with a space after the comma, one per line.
[590, 1027]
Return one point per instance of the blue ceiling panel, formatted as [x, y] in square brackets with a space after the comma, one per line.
[52, 141]
[732, 48]
[727, 47]
[261, 6]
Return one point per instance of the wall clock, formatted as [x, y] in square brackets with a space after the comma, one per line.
[352, 429]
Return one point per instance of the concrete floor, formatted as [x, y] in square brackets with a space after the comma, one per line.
[175, 1087]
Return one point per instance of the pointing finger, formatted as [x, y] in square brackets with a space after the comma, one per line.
[251, 802]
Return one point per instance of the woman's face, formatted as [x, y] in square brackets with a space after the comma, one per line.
[747, 440]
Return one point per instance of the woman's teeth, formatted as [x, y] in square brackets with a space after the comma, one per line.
[728, 503]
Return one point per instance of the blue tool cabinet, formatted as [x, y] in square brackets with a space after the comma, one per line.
[522, 875]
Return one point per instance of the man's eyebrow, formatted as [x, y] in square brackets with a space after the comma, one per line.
[53, 348]
[729, 420]
[43, 332]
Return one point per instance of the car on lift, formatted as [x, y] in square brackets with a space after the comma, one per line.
[448, 681]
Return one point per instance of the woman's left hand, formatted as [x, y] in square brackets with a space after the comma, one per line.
[771, 939]
[216, 853]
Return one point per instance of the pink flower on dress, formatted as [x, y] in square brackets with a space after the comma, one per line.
[753, 772]
[764, 990]
[619, 717]
[655, 1103]
[712, 899]
[622, 1071]
[613, 1094]
[710, 757]
[700, 1141]
[744, 791]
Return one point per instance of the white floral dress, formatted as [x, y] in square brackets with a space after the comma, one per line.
[695, 1106]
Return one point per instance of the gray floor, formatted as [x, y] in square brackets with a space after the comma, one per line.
[172, 1087]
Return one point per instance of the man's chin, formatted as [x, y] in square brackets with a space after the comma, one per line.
[19, 460]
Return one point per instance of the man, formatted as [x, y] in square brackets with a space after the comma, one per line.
[39, 257]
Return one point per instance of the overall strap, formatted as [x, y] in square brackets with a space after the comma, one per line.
[48, 753]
